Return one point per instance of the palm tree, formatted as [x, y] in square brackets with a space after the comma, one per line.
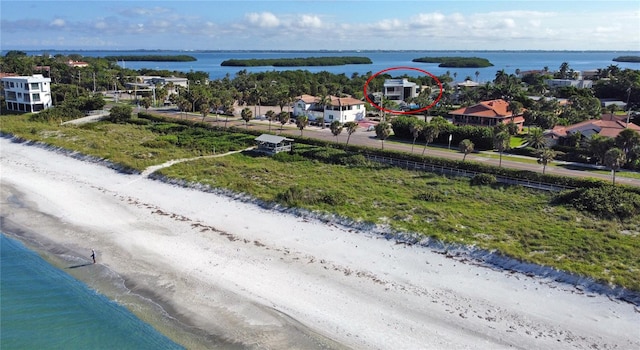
[336, 129]
[383, 130]
[415, 129]
[614, 159]
[184, 105]
[204, 110]
[283, 118]
[535, 138]
[545, 156]
[246, 115]
[271, 116]
[477, 75]
[501, 142]
[351, 128]
[430, 133]
[302, 122]
[466, 147]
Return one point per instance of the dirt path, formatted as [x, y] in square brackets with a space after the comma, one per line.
[150, 170]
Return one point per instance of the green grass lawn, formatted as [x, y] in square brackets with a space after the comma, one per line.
[517, 221]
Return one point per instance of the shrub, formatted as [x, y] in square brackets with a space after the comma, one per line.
[431, 196]
[607, 202]
[355, 160]
[483, 179]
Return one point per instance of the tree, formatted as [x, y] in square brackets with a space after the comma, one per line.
[204, 110]
[184, 105]
[146, 103]
[535, 138]
[545, 156]
[415, 129]
[626, 140]
[598, 145]
[351, 128]
[430, 133]
[283, 118]
[383, 130]
[466, 147]
[271, 116]
[501, 141]
[302, 122]
[336, 128]
[246, 115]
[120, 113]
[614, 159]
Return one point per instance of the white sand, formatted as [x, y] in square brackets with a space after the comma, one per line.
[272, 280]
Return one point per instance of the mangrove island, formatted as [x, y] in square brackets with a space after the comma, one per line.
[297, 62]
[456, 62]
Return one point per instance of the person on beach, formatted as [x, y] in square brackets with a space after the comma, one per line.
[93, 255]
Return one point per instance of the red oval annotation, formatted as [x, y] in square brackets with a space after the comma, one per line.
[366, 94]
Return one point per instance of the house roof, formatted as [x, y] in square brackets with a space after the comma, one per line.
[271, 138]
[345, 101]
[608, 125]
[486, 109]
[307, 99]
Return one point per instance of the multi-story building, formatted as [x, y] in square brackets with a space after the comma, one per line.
[27, 93]
[400, 89]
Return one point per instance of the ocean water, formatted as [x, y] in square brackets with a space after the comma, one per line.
[510, 61]
[42, 307]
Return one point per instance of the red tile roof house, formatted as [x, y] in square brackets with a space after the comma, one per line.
[608, 125]
[487, 113]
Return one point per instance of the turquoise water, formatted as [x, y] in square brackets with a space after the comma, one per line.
[42, 307]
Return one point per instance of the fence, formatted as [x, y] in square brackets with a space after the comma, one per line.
[439, 169]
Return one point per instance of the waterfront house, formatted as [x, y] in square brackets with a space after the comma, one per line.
[487, 113]
[272, 144]
[342, 109]
[400, 89]
[577, 83]
[27, 93]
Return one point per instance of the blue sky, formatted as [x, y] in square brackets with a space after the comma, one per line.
[321, 24]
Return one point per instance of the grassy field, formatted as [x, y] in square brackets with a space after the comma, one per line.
[516, 221]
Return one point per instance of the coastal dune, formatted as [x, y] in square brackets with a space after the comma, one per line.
[233, 274]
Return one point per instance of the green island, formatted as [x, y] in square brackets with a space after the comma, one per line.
[297, 62]
[152, 58]
[456, 62]
[627, 59]
[541, 227]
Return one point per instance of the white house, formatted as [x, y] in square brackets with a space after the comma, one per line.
[400, 89]
[580, 84]
[27, 93]
[342, 109]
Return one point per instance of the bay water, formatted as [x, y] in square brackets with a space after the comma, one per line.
[510, 61]
[43, 307]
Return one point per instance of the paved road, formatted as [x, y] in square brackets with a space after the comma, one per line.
[368, 138]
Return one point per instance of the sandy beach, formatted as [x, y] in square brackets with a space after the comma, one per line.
[237, 275]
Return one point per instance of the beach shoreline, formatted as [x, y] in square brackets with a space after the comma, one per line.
[259, 278]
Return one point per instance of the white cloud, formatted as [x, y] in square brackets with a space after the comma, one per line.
[264, 19]
[310, 21]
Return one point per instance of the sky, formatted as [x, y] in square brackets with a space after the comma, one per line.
[320, 25]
